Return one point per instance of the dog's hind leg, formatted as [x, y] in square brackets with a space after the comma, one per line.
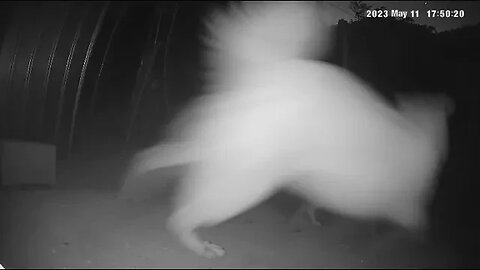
[311, 210]
[210, 197]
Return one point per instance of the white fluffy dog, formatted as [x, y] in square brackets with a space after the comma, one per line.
[272, 114]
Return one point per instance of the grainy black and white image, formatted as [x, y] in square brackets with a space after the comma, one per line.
[218, 134]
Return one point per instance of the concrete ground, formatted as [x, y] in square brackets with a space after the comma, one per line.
[88, 226]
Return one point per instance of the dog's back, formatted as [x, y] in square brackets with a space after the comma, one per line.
[273, 114]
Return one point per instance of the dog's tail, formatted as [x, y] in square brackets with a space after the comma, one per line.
[241, 40]
[160, 156]
[253, 35]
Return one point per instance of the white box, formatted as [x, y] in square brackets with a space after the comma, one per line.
[27, 163]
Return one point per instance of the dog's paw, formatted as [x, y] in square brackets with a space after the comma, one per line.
[211, 250]
[315, 222]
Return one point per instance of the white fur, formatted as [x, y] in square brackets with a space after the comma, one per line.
[273, 115]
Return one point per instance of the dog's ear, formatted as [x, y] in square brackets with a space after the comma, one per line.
[449, 104]
[443, 101]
